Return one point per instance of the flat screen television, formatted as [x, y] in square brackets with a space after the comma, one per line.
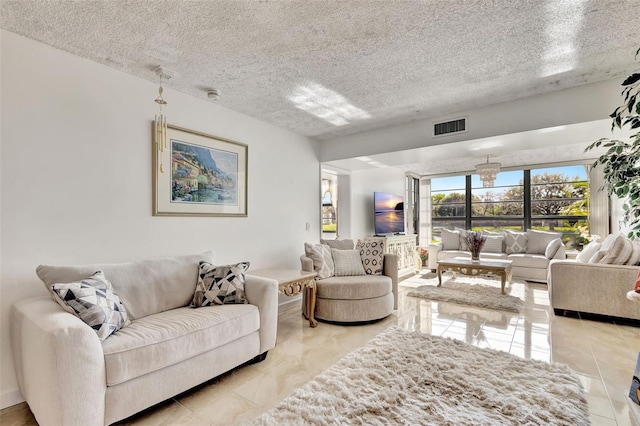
[389, 213]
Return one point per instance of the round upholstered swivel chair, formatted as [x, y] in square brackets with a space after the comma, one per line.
[357, 298]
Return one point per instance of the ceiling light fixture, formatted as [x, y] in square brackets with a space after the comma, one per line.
[160, 122]
[487, 172]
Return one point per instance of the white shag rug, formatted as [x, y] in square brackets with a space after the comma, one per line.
[411, 378]
[478, 291]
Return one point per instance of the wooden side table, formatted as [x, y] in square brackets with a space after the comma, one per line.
[292, 282]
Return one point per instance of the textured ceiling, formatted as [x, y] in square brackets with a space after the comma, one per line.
[332, 68]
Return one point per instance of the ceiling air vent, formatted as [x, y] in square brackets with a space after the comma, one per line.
[448, 127]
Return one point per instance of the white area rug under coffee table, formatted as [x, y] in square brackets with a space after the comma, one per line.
[411, 378]
[477, 291]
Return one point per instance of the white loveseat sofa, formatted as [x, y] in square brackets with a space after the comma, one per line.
[530, 251]
[69, 377]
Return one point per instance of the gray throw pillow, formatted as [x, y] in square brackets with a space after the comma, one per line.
[347, 263]
[493, 244]
[320, 254]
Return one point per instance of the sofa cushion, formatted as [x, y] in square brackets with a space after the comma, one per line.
[320, 254]
[347, 262]
[552, 248]
[619, 252]
[94, 301]
[515, 242]
[587, 252]
[160, 340]
[371, 255]
[339, 244]
[146, 287]
[354, 287]
[493, 244]
[450, 239]
[522, 260]
[220, 285]
[537, 241]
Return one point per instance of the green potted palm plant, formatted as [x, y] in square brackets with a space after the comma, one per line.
[621, 162]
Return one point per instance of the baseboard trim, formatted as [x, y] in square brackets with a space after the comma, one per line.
[290, 303]
[10, 398]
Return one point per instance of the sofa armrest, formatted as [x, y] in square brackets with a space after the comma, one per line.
[592, 287]
[263, 292]
[59, 364]
[390, 269]
[306, 263]
[434, 248]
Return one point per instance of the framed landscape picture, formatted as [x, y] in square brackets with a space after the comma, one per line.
[195, 174]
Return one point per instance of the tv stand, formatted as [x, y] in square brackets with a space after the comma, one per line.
[403, 246]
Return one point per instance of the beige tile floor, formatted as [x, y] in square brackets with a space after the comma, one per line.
[602, 354]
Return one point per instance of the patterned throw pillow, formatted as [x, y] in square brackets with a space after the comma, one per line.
[220, 285]
[320, 254]
[515, 242]
[347, 263]
[94, 301]
[371, 254]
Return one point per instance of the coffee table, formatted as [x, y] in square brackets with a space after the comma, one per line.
[466, 266]
[292, 282]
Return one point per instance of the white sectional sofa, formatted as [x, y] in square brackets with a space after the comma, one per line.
[530, 251]
[70, 377]
[598, 280]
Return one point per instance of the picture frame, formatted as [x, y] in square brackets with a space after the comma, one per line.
[197, 174]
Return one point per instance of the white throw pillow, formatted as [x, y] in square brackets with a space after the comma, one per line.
[587, 252]
[619, 252]
[635, 255]
[537, 241]
[515, 242]
[462, 243]
[347, 263]
[608, 242]
[322, 259]
[552, 248]
[450, 239]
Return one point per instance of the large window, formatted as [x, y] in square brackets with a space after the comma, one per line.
[552, 199]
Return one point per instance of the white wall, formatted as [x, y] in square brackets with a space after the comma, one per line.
[76, 178]
[363, 184]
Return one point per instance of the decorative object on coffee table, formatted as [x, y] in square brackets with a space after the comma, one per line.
[475, 241]
[403, 377]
